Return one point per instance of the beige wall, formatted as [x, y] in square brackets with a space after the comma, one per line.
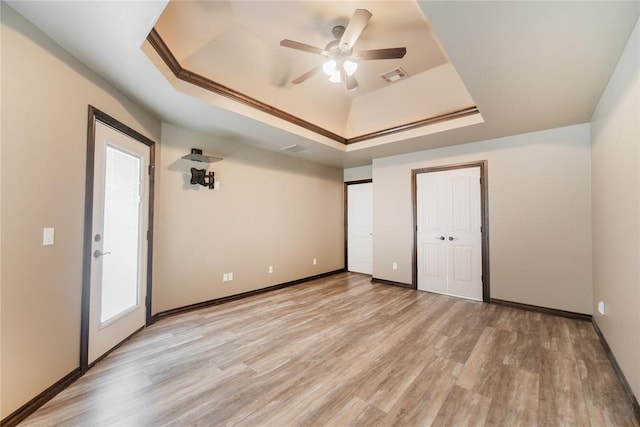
[539, 215]
[45, 93]
[274, 210]
[358, 173]
[615, 164]
[271, 209]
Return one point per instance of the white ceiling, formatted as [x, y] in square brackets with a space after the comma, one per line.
[528, 65]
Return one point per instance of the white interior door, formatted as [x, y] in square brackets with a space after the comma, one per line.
[119, 244]
[449, 234]
[432, 232]
[360, 228]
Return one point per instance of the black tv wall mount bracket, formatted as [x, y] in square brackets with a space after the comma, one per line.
[202, 177]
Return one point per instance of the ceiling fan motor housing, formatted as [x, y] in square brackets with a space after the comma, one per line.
[338, 31]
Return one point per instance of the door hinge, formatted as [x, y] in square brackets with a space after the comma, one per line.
[146, 301]
[150, 169]
[148, 234]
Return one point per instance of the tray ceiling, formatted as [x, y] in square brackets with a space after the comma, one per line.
[233, 49]
[528, 65]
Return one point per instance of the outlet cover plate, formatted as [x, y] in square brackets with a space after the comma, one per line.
[48, 236]
[601, 308]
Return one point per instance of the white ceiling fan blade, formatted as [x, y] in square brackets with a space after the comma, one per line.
[301, 46]
[307, 75]
[389, 53]
[359, 20]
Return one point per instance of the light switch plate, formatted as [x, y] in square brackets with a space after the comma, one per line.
[47, 236]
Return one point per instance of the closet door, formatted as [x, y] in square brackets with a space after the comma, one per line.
[449, 232]
[360, 228]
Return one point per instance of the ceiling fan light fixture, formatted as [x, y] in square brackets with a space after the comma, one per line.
[329, 67]
[338, 53]
[350, 67]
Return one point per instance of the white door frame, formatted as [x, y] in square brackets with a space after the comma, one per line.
[97, 115]
[484, 212]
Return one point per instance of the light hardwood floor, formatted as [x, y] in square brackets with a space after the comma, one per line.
[343, 351]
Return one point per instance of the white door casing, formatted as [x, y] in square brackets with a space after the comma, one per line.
[449, 236]
[360, 227]
[119, 244]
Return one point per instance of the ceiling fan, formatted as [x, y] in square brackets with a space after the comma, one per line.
[342, 60]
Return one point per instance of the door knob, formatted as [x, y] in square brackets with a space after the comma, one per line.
[98, 254]
[451, 239]
[439, 238]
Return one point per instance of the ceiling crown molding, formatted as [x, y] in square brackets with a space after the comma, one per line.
[165, 54]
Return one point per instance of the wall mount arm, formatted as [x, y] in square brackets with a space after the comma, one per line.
[202, 177]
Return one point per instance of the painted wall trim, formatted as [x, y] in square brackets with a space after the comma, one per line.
[181, 73]
[359, 181]
[633, 400]
[544, 310]
[161, 48]
[392, 283]
[31, 406]
[218, 301]
[458, 114]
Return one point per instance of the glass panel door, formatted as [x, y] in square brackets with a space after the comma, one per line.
[120, 267]
[119, 243]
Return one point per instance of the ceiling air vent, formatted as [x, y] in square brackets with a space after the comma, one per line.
[394, 75]
[294, 148]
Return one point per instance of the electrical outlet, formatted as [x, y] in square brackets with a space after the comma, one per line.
[47, 236]
[271, 269]
[216, 186]
[230, 276]
[394, 265]
[225, 277]
[315, 261]
[602, 309]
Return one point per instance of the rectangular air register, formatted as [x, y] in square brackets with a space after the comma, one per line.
[394, 75]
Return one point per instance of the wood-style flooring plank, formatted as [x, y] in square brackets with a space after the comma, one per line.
[463, 408]
[561, 396]
[342, 351]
